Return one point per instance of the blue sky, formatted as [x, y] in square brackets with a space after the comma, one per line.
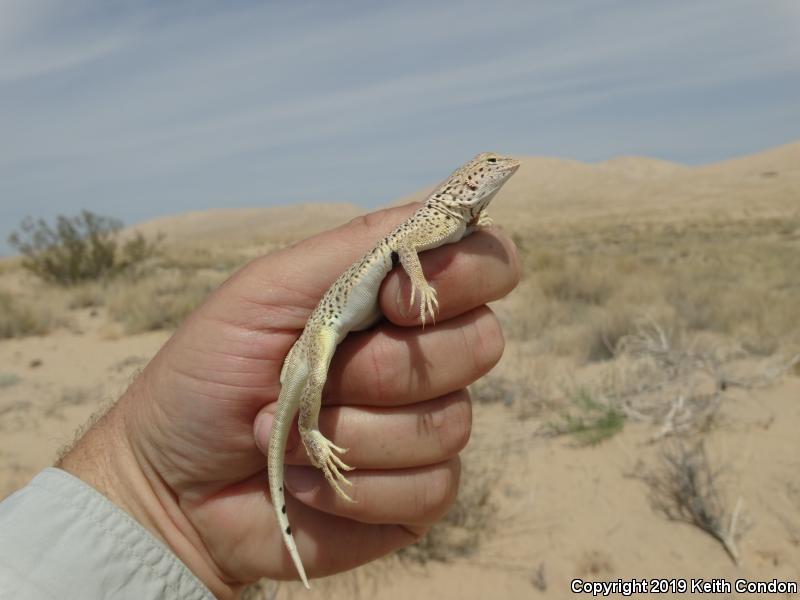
[141, 108]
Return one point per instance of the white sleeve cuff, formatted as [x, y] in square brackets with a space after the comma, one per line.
[61, 538]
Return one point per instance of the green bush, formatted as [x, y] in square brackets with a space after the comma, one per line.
[81, 248]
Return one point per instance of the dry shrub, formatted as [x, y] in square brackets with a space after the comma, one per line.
[527, 314]
[494, 389]
[9, 265]
[591, 418]
[89, 294]
[686, 489]
[21, 317]
[678, 380]
[69, 398]
[80, 248]
[159, 301]
[576, 282]
[584, 286]
[605, 333]
[15, 415]
[9, 379]
[193, 257]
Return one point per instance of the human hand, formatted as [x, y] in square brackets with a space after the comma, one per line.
[183, 451]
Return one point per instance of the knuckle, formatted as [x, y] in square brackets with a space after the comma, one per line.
[366, 222]
[370, 222]
[488, 342]
[437, 490]
[386, 369]
[456, 423]
[515, 264]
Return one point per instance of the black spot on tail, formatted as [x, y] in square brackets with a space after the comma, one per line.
[288, 530]
[395, 258]
[283, 510]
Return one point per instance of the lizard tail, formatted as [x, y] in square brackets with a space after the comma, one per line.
[275, 454]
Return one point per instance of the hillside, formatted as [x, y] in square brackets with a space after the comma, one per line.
[549, 190]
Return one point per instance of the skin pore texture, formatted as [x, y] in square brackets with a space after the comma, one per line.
[182, 451]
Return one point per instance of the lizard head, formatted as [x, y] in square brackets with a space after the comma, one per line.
[475, 183]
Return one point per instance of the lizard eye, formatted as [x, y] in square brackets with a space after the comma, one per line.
[491, 160]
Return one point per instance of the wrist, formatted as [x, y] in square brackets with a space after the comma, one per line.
[107, 459]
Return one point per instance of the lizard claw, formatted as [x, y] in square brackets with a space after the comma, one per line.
[428, 304]
[323, 455]
[484, 220]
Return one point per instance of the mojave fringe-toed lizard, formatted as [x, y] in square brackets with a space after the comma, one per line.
[452, 211]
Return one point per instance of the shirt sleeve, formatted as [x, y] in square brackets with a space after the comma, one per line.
[61, 538]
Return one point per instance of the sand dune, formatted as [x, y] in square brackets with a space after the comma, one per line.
[247, 224]
[548, 189]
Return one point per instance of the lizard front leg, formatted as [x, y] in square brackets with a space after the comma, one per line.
[427, 294]
[321, 451]
[482, 220]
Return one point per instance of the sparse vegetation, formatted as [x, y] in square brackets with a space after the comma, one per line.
[677, 380]
[586, 287]
[87, 294]
[576, 282]
[492, 390]
[8, 379]
[69, 398]
[8, 265]
[685, 489]
[80, 248]
[13, 414]
[20, 318]
[196, 257]
[159, 301]
[589, 419]
[604, 336]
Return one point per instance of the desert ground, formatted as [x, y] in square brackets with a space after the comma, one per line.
[641, 424]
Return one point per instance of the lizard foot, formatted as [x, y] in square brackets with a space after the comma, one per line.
[324, 455]
[428, 304]
[484, 220]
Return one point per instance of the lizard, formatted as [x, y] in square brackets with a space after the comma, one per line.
[454, 209]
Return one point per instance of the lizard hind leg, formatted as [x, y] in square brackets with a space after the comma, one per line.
[323, 453]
